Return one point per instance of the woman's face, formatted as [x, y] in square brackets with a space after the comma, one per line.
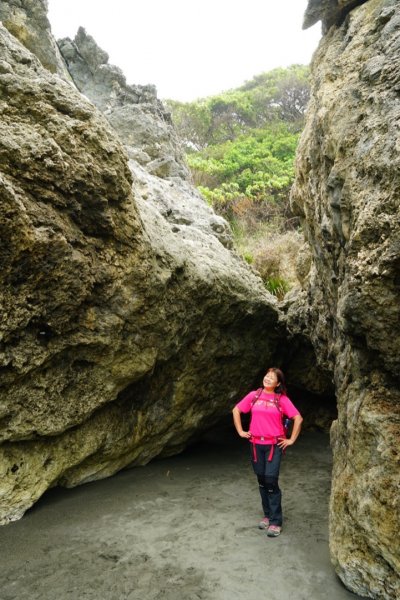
[270, 380]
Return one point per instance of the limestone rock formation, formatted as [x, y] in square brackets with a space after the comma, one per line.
[330, 12]
[140, 119]
[347, 193]
[128, 325]
[27, 21]
[144, 126]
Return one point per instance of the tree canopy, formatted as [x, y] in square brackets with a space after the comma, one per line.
[240, 148]
[278, 95]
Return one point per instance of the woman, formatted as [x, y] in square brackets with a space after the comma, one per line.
[267, 406]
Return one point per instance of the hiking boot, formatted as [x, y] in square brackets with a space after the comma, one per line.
[273, 530]
[264, 523]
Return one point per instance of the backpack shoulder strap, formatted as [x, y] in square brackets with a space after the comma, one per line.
[277, 400]
[256, 397]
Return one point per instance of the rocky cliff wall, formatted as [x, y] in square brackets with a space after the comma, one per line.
[27, 21]
[128, 325]
[347, 193]
[140, 119]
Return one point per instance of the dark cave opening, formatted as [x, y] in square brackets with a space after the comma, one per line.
[318, 412]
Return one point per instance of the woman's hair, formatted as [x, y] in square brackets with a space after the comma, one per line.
[281, 387]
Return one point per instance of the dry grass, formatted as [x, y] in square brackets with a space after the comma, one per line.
[272, 252]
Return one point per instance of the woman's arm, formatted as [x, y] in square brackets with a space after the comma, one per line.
[238, 424]
[285, 442]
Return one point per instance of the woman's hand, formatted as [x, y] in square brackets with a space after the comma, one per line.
[285, 442]
[245, 434]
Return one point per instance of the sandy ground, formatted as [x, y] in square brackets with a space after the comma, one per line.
[183, 528]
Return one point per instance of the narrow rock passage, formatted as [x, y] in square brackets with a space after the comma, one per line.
[180, 528]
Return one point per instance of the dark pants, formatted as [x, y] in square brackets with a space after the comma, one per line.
[267, 475]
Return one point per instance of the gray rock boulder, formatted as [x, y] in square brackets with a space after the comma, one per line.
[347, 193]
[142, 122]
[128, 327]
[27, 21]
[330, 12]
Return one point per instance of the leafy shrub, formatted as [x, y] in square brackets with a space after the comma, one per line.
[258, 165]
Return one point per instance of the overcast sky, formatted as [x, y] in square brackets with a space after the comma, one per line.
[191, 48]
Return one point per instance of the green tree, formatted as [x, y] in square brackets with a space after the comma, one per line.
[241, 146]
[278, 95]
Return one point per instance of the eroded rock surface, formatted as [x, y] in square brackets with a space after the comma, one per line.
[145, 128]
[330, 12]
[123, 320]
[140, 119]
[27, 21]
[347, 192]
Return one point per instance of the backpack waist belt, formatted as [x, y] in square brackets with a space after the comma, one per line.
[273, 441]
